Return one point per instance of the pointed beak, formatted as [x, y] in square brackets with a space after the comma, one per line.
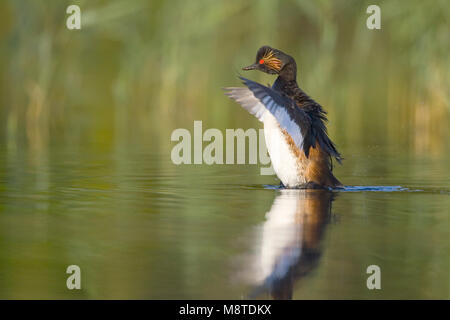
[251, 67]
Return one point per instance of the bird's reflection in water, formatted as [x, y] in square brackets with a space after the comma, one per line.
[288, 243]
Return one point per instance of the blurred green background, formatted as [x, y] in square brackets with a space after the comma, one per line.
[86, 117]
[146, 67]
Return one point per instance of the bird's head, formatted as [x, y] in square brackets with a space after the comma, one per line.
[271, 61]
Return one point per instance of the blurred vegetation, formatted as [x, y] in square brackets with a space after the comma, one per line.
[142, 68]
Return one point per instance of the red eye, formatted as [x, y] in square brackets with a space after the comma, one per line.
[261, 61]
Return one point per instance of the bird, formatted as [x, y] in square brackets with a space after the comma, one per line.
[296, 136]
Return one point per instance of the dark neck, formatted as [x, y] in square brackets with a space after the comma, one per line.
[286, 81]
[289, 72]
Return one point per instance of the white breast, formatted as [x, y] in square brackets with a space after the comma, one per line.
[284, 161]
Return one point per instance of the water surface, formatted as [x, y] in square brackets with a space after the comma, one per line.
[140, 227]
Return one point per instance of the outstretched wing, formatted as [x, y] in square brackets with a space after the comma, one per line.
[259, 100]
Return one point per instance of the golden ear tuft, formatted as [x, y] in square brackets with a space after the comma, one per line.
[271, 61]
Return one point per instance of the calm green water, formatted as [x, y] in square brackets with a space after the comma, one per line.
[140, 227]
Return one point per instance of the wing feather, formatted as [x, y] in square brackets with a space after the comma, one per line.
[258, 99]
